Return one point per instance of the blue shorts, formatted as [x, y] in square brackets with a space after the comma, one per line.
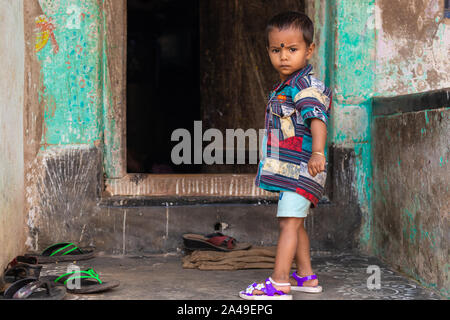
[291, 204]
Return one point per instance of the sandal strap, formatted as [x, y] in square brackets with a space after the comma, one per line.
[301, 280]
[60, 249]
[267, 288]
[86, 274]
[17, 271]
[23, 270]
[218, 239]
[279, 284]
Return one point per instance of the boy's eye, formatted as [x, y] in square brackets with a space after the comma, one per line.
[275, 50]
[293, 49]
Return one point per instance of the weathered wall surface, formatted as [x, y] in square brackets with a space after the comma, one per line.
[12, 213]
[411, 194]
[381, 48]
[412, 46]
[344, 36]
[411, 150]
[65, 99]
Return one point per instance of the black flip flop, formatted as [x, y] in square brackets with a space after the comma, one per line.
[34, 289]
[90, 281]
[63, 251]
[214, 241]
[22, 267]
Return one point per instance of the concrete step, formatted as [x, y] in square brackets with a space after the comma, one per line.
[140, 226]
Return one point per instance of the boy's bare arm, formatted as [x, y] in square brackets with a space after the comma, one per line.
[319, 137]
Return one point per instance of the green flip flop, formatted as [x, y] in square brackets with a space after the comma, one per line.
[89, 281]
[63, 251]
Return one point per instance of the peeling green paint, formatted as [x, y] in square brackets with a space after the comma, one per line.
[345, 57]
[353, 80]
[354, 48]
[409, 229]
[71, 73]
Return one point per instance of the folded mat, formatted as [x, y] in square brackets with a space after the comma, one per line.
[254, 258]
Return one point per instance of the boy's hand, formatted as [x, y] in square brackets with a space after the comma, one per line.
[316, 164]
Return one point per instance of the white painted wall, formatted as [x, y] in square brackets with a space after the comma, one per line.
[12, 215]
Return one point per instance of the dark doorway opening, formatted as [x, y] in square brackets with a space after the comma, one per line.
[163, 91]
[196, 60]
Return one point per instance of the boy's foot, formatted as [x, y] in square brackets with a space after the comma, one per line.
[267, 290]
[305, 283]
[284, 289]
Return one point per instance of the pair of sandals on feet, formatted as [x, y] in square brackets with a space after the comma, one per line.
[269, 292]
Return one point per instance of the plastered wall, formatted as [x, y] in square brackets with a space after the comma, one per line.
[411, 150]
[390, 48]
[12, 214]
[412, 46]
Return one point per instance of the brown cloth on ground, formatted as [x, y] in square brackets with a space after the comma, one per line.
[254, 258]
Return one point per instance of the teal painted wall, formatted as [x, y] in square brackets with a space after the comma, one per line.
[345, 36]
[354, 83]
[387, 48]
[69, 48]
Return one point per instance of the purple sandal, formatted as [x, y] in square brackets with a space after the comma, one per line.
[270, 293]
[300, 281]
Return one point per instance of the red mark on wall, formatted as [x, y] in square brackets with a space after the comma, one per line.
[45, 29]
[69, 66]
[78, 49]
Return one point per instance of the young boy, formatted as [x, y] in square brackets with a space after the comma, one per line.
[294, 152]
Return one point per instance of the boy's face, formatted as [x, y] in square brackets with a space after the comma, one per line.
[288, 51]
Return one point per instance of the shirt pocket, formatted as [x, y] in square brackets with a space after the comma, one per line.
[282, 115]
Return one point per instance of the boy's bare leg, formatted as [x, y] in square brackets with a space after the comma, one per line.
[303, 258]
[286, 249]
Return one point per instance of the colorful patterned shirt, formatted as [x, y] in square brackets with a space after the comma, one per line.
[287, 144]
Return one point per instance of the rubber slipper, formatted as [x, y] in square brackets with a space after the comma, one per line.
[215, 241]
[34, 289]
[90, 281]
[21, 271]
[269, 291]
[63, 251]
[22, 267]
[301, 288]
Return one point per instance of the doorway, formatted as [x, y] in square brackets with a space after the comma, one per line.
[196, 60]
[163, 91]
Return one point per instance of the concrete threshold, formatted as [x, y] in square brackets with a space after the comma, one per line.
[343, 276]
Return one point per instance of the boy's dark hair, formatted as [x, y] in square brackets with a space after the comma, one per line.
[292, 19]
